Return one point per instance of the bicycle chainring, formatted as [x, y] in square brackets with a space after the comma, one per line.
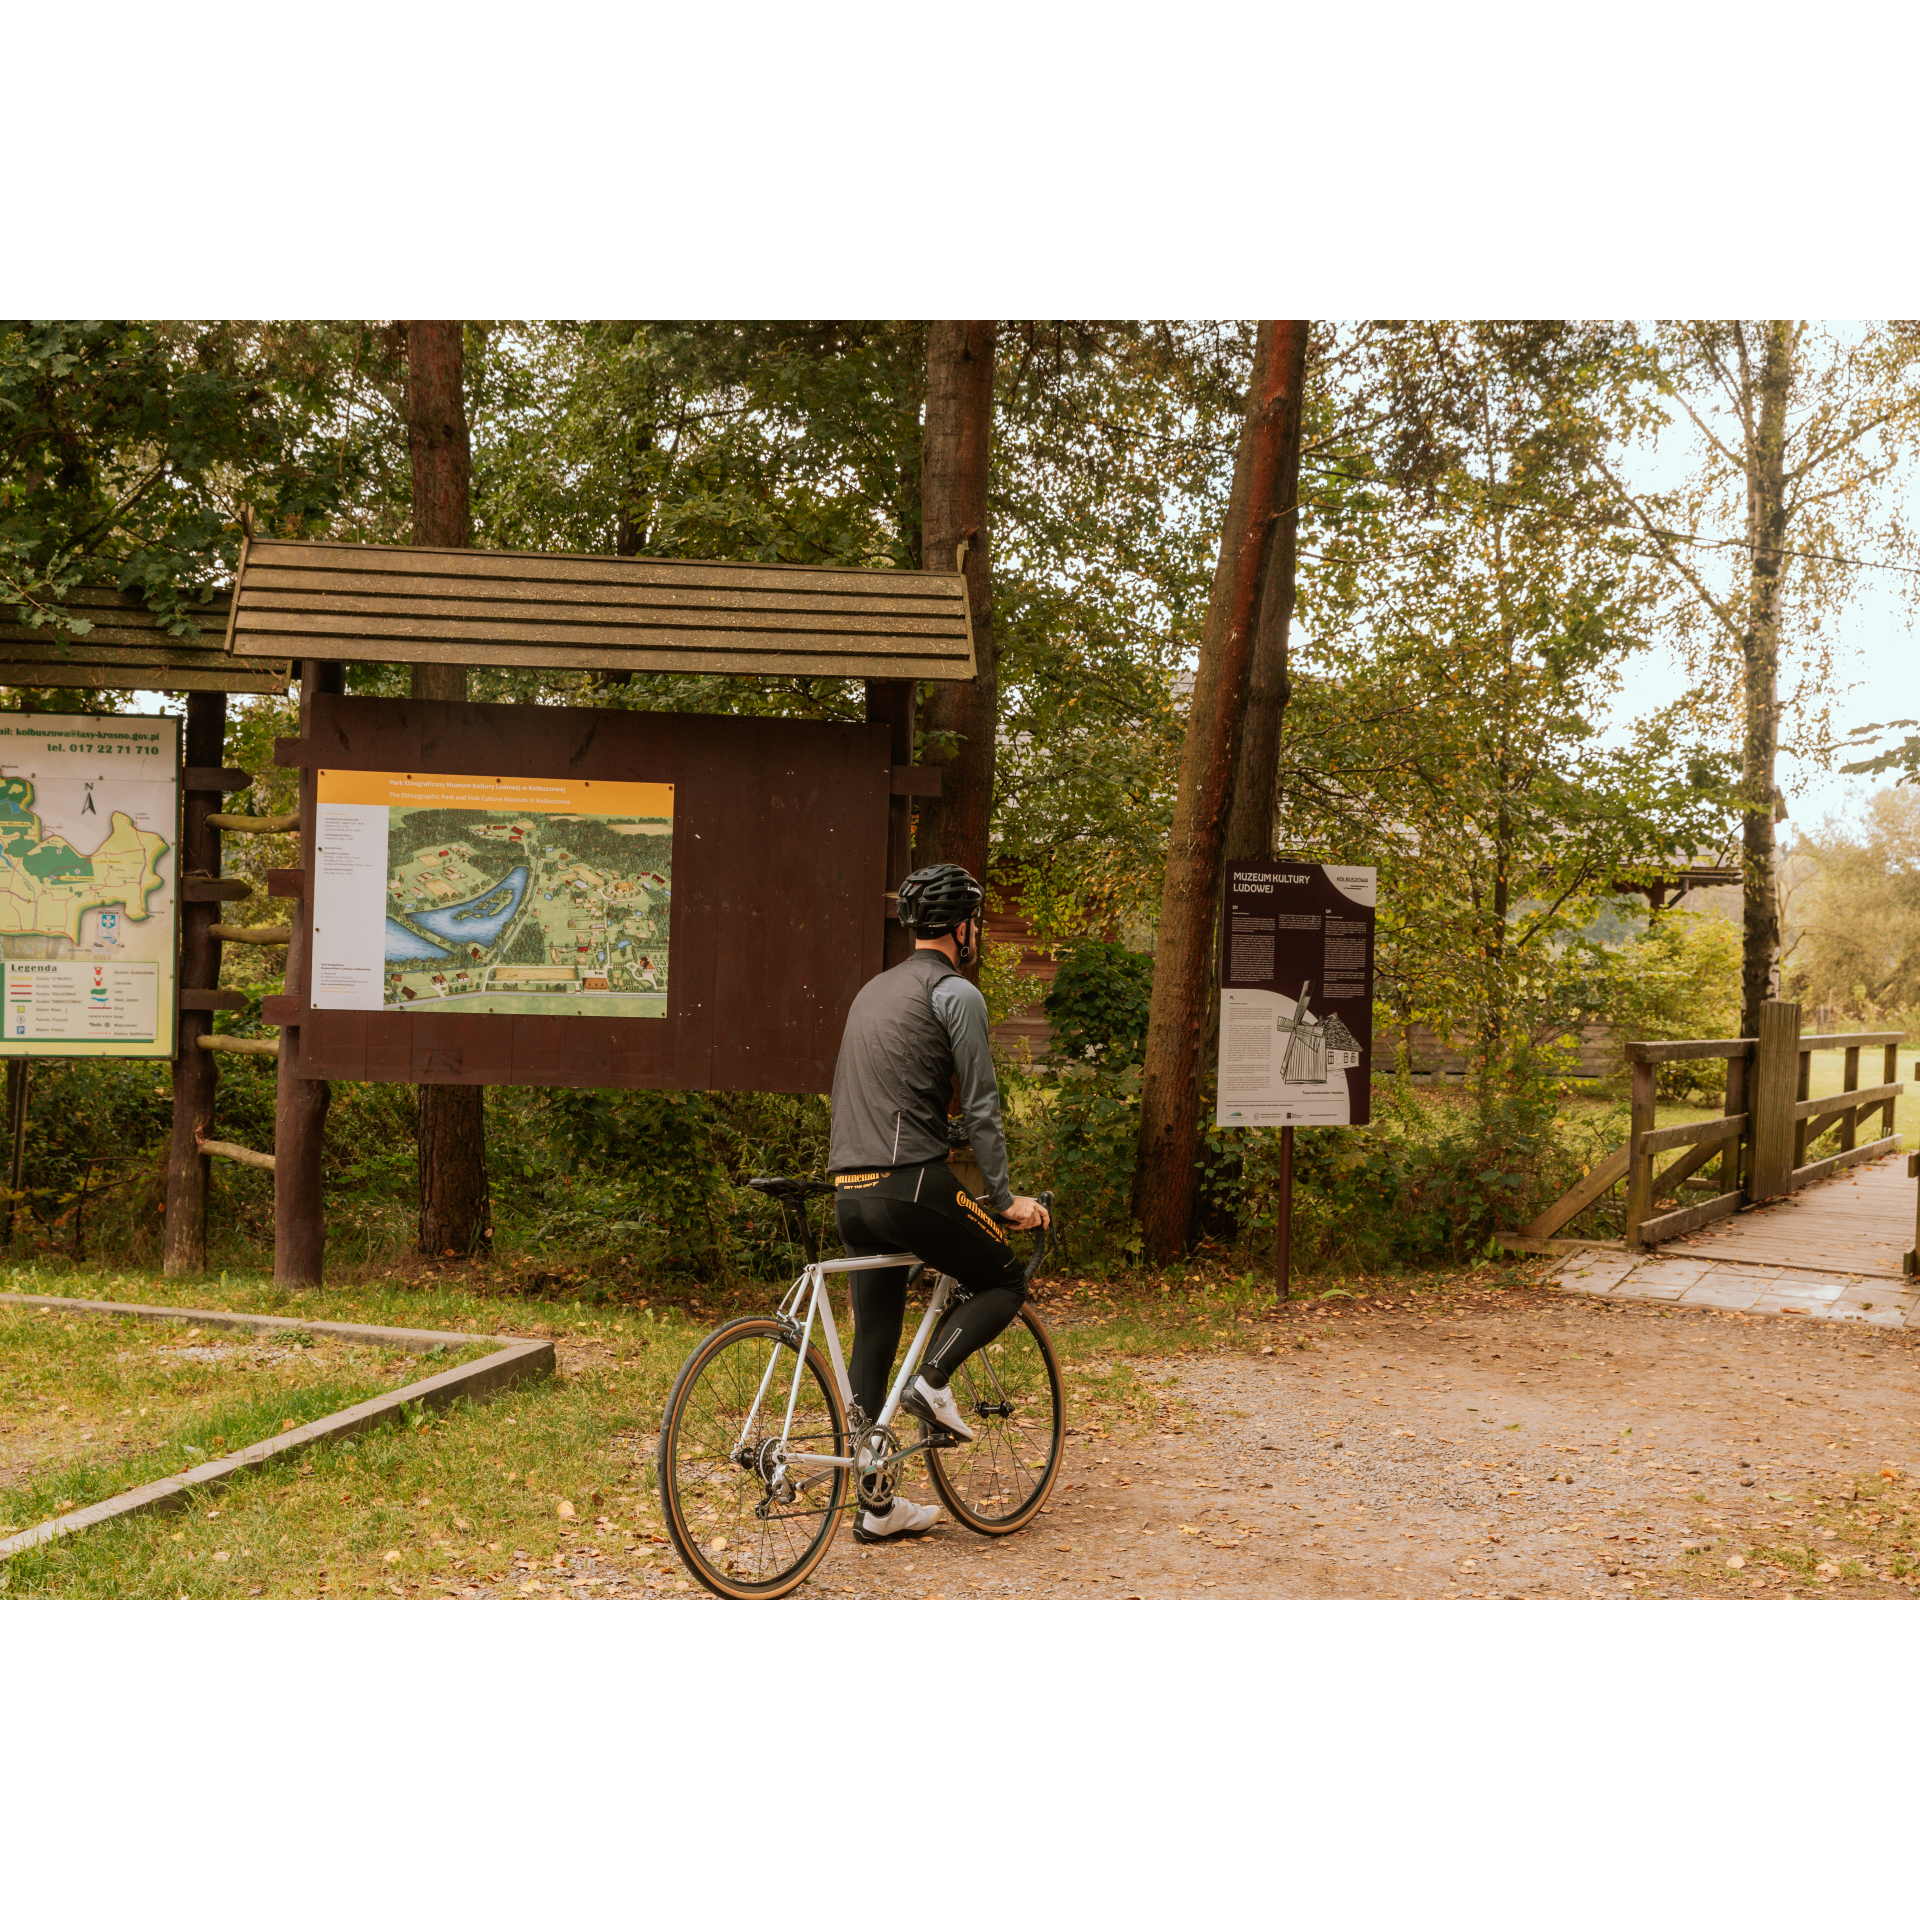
[877, 1458]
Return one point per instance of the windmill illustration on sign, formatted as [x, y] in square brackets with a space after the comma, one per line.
[1314, 1046]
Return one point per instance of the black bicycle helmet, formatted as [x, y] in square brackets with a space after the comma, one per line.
[935, 900]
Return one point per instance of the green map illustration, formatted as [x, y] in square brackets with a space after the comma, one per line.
[523, 911]
[46, 884]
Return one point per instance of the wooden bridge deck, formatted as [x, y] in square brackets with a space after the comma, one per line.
[1859, 1223]
[1832, 1252]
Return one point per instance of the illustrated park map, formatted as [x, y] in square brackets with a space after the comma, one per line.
[89, 809]
[555, 903]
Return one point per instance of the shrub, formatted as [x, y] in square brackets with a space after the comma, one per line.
[1098, 1004]
[1428, 1182]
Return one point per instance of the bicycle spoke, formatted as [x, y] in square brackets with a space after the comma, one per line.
[731, 1406]
[1008, 1394]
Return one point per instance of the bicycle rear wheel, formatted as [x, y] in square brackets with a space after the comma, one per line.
[1010, 1395]
[720, 1449]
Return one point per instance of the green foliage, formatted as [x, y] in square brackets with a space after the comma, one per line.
[129, 450]
[1113, 456]
[1098, 1004]
[1084, 1150]
[652, 1177]
[1471, 609]
[1678, 978]
[1854, 922]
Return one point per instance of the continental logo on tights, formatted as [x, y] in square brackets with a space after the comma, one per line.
[858, 1179]
[980, 1214]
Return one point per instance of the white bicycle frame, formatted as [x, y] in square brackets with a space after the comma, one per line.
[811, 1287]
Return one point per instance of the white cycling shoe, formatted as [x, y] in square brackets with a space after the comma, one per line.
[936, 1406]
[902, 1518]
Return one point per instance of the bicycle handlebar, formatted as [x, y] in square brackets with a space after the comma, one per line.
[1042, 1237]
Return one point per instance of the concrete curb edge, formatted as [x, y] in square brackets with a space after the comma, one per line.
[514, 1360]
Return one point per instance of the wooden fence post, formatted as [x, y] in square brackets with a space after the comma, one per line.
[1802, 1090]
[1776, 1076]
[196, 1077]
[1640, 1165]
[300, 1106]
[1739, 1079]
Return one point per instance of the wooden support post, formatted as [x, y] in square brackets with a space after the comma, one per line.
[1739, 1072]
[19, 1084]
[1640, 1165]
[1850, 1121]
[1910, 1260]
[196, 1074]
[300, 1106]
[1283, 1221]
[1887, 1078]
[890, 703]
[1776, 1073]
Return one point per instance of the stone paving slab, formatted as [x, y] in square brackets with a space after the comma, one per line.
[1595, 1272]
[1740, 1286]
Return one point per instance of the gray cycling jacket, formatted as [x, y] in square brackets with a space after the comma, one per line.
[911, 1033]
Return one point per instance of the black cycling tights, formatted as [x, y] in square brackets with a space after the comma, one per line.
[926, 1212]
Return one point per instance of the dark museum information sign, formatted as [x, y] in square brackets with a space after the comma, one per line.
[1296, 996]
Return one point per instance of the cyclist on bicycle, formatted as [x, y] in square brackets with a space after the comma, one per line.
[914, 1034]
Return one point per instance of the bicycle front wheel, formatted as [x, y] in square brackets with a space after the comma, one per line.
[744, 1511]
[1010, 1395]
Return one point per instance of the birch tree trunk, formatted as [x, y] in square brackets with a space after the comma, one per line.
[455, 1212]
[955, 462]
[1760, 650]
[1166, 1174]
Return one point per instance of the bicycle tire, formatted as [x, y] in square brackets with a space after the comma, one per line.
[722, 1541]
[993, 1484]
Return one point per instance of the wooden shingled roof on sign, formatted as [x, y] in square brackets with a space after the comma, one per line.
[470, 606]
[128, 650]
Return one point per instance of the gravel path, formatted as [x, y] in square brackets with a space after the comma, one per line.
[1529, 1446]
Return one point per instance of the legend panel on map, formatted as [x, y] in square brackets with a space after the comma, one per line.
[59, 1000]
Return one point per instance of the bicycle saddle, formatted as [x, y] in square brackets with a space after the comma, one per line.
[777, 1186]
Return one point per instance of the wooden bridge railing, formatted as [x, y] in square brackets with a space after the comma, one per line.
[1762, 1140]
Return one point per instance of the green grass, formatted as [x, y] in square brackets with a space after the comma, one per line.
[93, 1405]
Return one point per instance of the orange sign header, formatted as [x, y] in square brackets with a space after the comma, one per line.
[480, 792]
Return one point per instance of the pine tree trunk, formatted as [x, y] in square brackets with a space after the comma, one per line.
[1766, 536]
[455, 1215]
[1256, 784]
[956, 451]
[1166, 1175]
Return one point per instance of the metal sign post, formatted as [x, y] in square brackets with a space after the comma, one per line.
[1302, 1056]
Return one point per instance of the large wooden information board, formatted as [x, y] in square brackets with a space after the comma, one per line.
[1296, 996]
[554, 896]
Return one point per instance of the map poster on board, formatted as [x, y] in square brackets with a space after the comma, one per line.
[1296, 996]
[470, 894]
[89, 825]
